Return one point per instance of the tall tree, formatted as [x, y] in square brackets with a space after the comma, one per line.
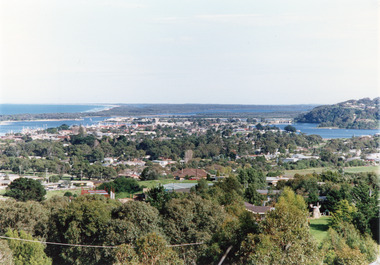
[24, 189]
[286, 238]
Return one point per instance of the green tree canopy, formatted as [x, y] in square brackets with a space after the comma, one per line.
[150, 249]
[27, 252]
[121, 184]
[25, 189]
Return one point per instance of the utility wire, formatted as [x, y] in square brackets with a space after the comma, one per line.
[59, 244]
[185, 244]
[88, 246]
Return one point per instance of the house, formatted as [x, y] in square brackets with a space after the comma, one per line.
[83, 183]
[297, 157]
[194, 173]
[373, 157]
[273, 180]
[164, 163]
[99, 192]
[268, 192]
[179, 187]
[108, 160]
[257, 209]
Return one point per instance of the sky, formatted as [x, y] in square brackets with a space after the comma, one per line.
[189, 51]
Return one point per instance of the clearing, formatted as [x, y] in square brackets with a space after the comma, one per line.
[319, 227]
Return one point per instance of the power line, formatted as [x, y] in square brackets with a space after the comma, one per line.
[185, 244]
[88, 246]
[55, 243]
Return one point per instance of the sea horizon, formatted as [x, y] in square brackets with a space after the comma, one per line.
[14, 109]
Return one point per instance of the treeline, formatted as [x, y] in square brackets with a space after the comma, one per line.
[43, 116]
[207, 110]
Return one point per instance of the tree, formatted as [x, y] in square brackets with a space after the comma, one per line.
[259, 127]
[366, 219]
[346, 245]
[150, 249]
[149, 173]
[191, 220]
[6, 257]
[54, 178]
[23, 189]
[63, 127]
[344, 213]
[29, 216]
[84, 220]
[25, 252]
[144, 217]
[158, 197]
[253, 196]
[122, 184]
[290, 128]
[286, 238]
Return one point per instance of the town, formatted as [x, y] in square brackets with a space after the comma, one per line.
[245, 163]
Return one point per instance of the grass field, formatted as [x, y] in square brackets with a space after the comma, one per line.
[362, 169]
[319, 227]
[52, 193]
[154, 183]
[318, 170]
[291, 173]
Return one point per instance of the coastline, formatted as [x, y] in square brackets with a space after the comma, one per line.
[6, 122]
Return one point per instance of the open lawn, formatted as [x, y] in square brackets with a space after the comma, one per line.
[362, 169]
[319, 227]
[155, 183]
[52, 193]
[318, 170]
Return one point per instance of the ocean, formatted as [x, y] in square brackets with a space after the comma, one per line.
[9, 109]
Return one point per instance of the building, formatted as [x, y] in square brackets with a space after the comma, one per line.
[257, 209]
[192, 173]
[273, 180]
[99, 192]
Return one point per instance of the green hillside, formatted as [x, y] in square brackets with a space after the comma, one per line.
[351, 114]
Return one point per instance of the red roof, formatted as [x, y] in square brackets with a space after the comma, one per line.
[190, 172]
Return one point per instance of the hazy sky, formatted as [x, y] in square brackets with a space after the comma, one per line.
[189, 51]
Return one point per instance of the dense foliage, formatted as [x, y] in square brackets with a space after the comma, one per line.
[213, 216]
[24, 189]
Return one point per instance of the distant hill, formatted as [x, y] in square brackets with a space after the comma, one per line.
[351, 114]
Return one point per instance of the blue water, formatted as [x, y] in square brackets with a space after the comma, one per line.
[9, 109]
[20, 125]
[311, 128]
